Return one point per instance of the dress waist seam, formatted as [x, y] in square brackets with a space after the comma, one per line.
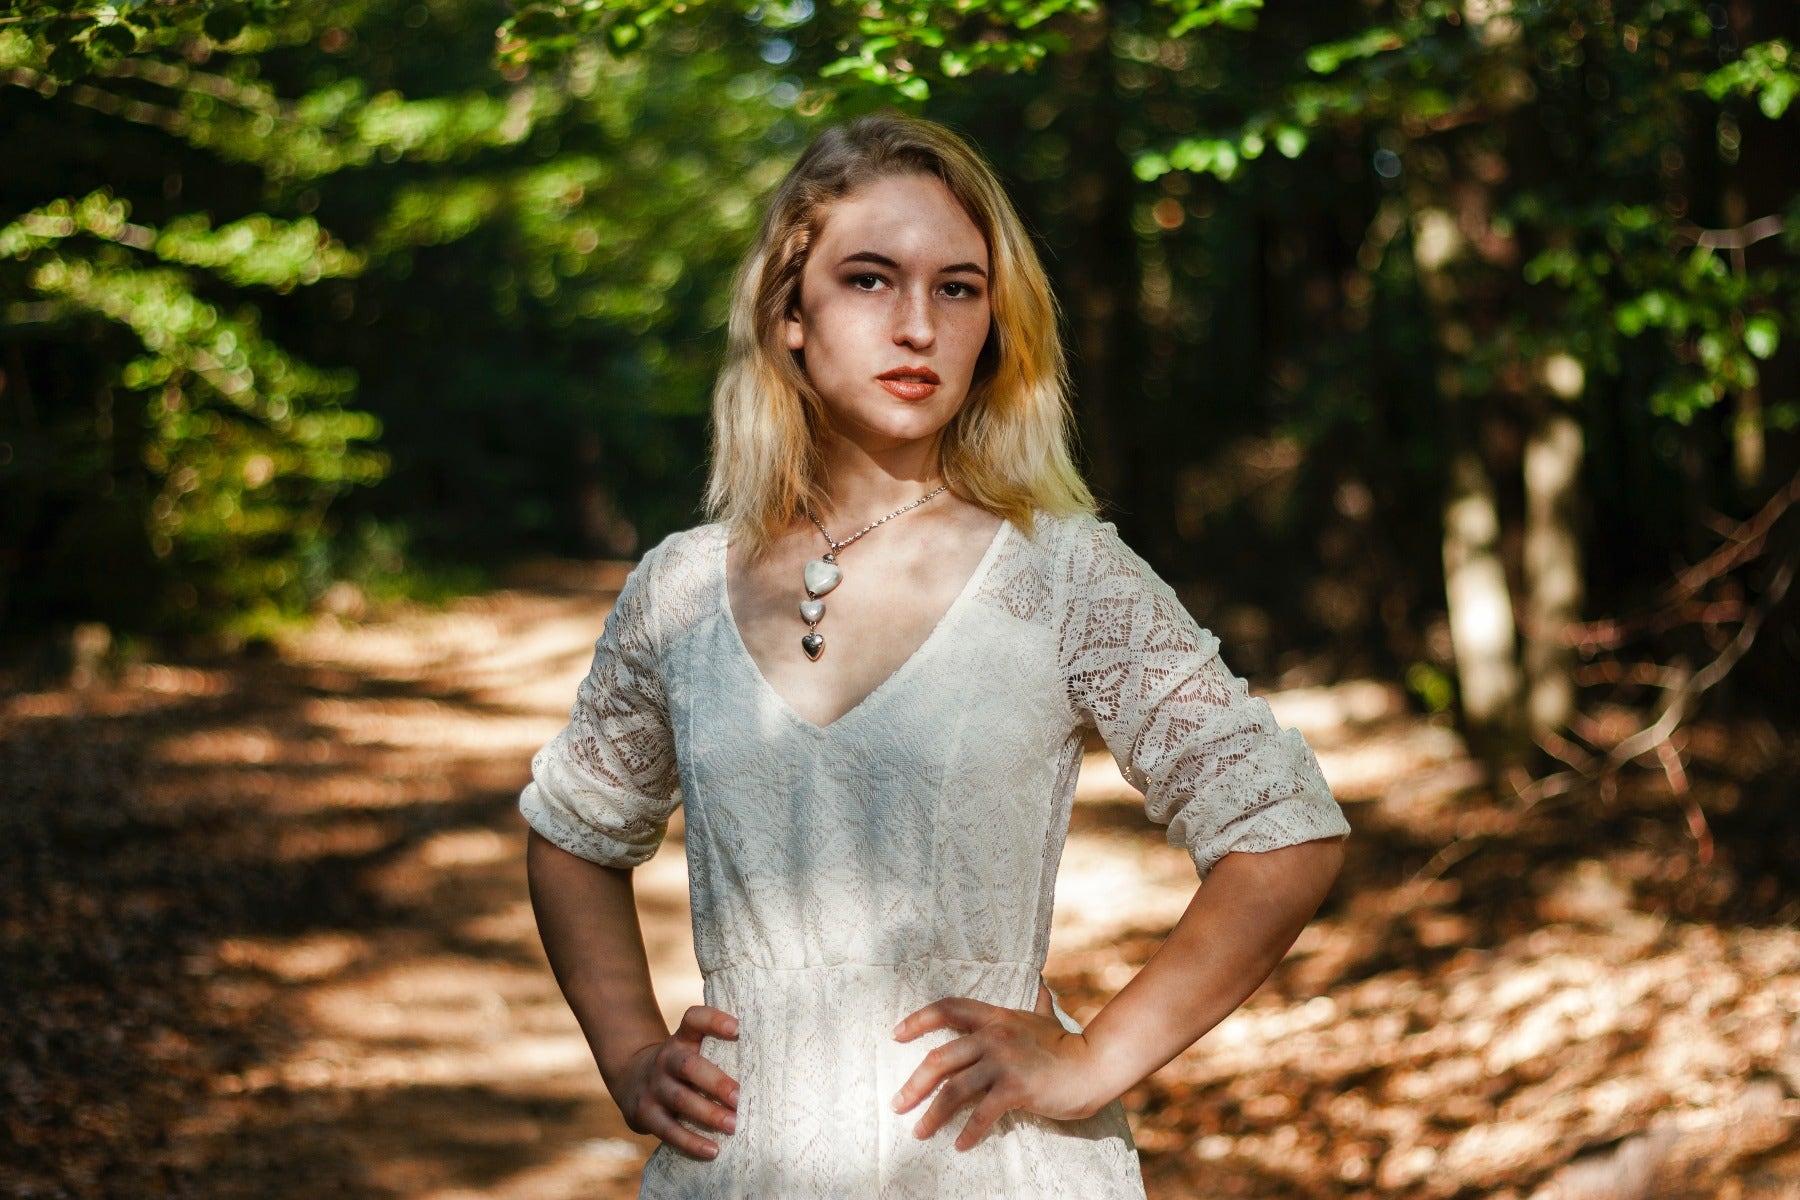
[875, 966]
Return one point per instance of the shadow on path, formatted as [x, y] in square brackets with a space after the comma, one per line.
[266, 932]
[266, 935]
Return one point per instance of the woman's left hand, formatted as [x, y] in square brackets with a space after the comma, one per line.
[1010, 1058]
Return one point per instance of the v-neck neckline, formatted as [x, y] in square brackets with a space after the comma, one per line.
[938, 630]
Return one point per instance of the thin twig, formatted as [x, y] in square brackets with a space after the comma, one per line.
[1745, 543]
[1708, 676]
[1684, 688]
[1676, 773]
[1741, 238]
[1446, 857]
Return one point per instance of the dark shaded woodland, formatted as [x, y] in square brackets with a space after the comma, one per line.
[1443, 353]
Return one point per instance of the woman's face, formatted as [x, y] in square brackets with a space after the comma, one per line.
[893, 310]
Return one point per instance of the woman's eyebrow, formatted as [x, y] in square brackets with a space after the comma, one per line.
[882, 260]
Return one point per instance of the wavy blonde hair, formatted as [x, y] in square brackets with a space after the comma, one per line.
[1007, 448]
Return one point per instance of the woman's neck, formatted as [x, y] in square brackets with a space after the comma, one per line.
[863, 486]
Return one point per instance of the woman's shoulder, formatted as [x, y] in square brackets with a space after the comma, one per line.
[1081, 521]
[675, 579]
[1063, 555]
[1086, 560]
[1069, 540]
[683, 550]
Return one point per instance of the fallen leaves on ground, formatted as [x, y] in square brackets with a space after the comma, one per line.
[265, 934]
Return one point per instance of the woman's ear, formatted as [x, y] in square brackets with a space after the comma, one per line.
[794, 331]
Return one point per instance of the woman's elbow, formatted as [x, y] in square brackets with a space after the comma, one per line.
[1313, 867]
[1330, 852]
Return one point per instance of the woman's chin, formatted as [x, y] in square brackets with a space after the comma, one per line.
[894, 421]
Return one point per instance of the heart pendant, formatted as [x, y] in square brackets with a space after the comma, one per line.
[814, 645]
[822, 576]
[811, 611]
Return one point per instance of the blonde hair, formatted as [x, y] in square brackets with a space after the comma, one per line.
[1007, 448]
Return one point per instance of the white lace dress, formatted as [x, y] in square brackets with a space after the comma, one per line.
[845, 875]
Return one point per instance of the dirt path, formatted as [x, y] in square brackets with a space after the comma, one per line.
[273, 938]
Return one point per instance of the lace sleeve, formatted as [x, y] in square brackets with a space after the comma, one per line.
[1212, 762]
[604, 787]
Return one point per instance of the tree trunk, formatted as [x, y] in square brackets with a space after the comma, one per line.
[1480, 604]
[1553, 576]
[1476, 594]
[1100, 284]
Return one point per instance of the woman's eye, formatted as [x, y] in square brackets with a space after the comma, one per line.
[955, 288]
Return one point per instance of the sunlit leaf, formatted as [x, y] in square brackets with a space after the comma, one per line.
[1762, 336]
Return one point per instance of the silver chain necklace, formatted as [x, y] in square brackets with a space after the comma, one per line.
[822, 574]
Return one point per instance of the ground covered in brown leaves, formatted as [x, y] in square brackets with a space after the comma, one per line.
[264, 933]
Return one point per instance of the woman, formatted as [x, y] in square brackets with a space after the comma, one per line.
[877, 797]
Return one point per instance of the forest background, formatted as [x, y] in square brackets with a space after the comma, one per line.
[1410, 335]
[1444, 342]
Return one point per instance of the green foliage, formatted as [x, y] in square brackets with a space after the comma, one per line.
[1437, 85]
[235, 447]
[1327, 226]
[1431, 686]
[244, 444]
[256, 251]
[1327, 58]
[895, 50]
[1767, 73]
[80, 37]
[1422, 70]
[512, 278]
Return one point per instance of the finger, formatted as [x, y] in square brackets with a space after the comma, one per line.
[935, 1067]
[1044, 1007]
[952, 1012]
[684, 1101]
[662, 1124]
[705, 1021]
[989, 1110]
[959, 1090]
[704, 1074]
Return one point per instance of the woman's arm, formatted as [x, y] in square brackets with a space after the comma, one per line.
[1235, 930]
[587, 917]
[1242, 795]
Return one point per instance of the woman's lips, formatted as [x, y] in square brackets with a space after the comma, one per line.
[908, 387]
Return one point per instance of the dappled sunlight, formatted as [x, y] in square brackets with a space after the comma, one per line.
[598, 1167]
[1320, 712]
[1552, 1042]
[366, 965]
[424, 724]
[1403, 751]
[295, 960]
[1111, 881]
[1365, 739]
[1443, 356]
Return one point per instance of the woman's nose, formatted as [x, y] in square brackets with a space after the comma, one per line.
[914, 322]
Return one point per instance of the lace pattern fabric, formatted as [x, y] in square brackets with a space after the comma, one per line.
[1214, 765]
[605, 786]
[845, 875]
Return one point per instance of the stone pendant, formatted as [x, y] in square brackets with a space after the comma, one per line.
[821, 577]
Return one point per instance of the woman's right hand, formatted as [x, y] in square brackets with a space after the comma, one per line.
[669, 1079]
